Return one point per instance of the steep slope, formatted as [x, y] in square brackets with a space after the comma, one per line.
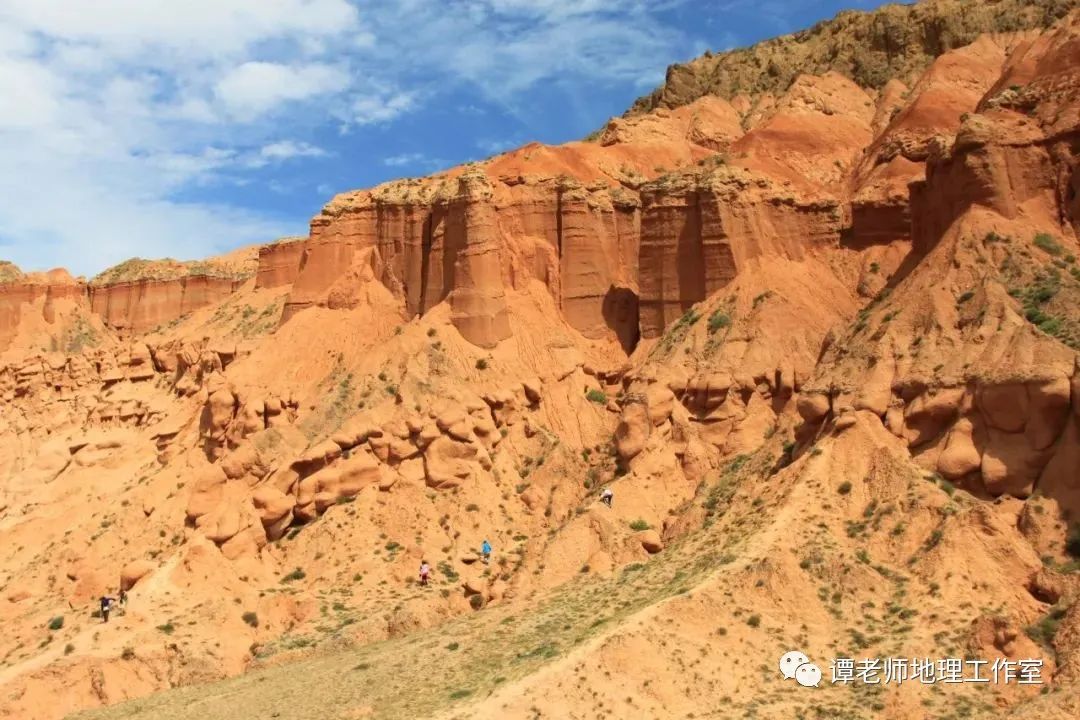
[827, 364]
[895, 42]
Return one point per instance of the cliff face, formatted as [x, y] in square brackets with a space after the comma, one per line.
[622, 255]
[279, 263]
[32, 300]
[136, 307]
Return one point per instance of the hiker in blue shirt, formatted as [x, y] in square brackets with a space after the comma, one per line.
[485, 550]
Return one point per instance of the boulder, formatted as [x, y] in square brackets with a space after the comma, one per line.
[1048, 410]
[206, 492]
[661, 403]
[448, 462]
[812, 406]
[928, 415]
[633, 430]
[960, 455]
[1005, 406]
[275, 509]
[650, 540]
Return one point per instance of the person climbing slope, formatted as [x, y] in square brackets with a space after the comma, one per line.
[485, 551]
[425, 572]
[607, 496]
[106, 606]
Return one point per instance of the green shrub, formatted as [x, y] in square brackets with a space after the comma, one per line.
[167, 628]
[1043, 632]
[718, 321]
[251, 619]
[597, 396]
[639, 525]
[56, 623]
[297, 574]
[453, 646]
[1045, 242]
[462, 693]
[753, 621]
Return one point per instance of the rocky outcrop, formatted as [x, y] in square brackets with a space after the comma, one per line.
[1000, 161]
[895, 41]
[948, 92]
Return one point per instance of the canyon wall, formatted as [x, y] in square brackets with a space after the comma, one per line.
[142, 305]
[620, 262]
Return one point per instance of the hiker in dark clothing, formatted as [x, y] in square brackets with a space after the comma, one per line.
[106, 606]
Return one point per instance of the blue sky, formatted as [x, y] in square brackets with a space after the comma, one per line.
[157, 128]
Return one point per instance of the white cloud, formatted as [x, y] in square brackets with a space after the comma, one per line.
[207, 28]
[285, 149]
[404, 159]
[381, 106]
[254, 88]
[112, 110]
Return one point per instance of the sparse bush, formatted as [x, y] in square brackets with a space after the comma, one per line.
[452, 646]
[167, 628]
[753, 621]
[481, 364]
[1043, 632]
[1045, 242]
[639, 525]
[68, 649]
[718, 321]
[128, 653]
[476, 601]
[844, 488]
[297, 574]
[460, 693]
[597, 396]
[251, 619]
[432, 332]
[56, 623]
